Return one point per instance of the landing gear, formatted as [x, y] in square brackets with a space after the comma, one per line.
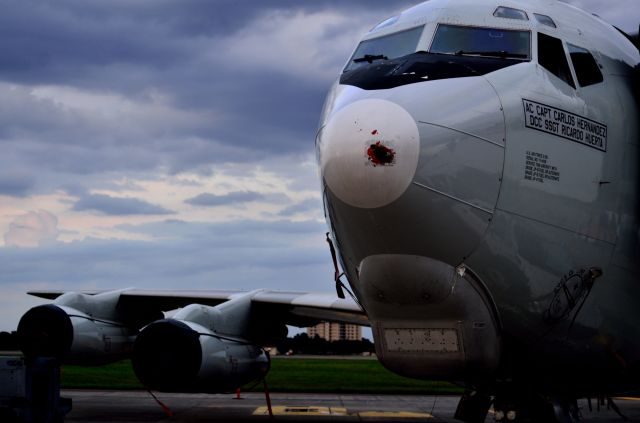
[473, 407]
[530, 408]
[517, 406]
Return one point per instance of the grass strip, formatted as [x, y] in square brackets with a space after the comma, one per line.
[117, 375]
[313, 375]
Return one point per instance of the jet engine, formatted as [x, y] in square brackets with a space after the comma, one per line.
[77, 328]
[180, 356]
[201, 349]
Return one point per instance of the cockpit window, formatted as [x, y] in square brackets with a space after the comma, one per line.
[586, 67]
[545, 20]
[551, 56]
[510, 13]
[476, 41]
[387, 22]
[387, 47]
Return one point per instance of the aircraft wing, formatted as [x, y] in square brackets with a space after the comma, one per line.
[293, 308]
[211, 341]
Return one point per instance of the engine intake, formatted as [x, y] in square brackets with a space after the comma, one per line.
[167, 355]
[45, 331]
[180, 356]
[77, 328]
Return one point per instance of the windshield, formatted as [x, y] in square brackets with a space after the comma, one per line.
[473, 41]
[383, 48]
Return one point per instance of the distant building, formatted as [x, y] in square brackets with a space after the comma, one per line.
[272, 351]
[336, 331]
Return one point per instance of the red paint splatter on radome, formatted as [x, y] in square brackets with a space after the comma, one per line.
[380, 155]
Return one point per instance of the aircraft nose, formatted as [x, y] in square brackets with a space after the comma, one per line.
[368, 152]
[414, 169]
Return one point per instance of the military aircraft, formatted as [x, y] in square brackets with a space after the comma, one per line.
[479, 165]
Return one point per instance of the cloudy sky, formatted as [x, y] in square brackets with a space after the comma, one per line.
[169, 144]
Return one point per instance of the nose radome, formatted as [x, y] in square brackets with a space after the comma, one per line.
[369, 152]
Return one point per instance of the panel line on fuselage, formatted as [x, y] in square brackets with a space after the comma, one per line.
[463, 132]
[453, 197]
[498, 209]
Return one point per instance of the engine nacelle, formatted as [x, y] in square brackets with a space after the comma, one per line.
[182, 356]
[78, 329]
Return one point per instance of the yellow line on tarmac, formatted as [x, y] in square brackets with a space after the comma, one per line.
[627, 398]
[284, 410]
[395, 414]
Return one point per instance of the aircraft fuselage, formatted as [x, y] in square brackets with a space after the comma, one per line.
[480, 178]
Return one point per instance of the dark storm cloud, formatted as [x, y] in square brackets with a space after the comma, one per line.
[244, 254]
[116, 206]
[207, 199]
[56, 42]
[15, 184]
[49, 40]
[242, 111]
[311, 204]
[127, 45]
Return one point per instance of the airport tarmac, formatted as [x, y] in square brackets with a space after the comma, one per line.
[94, 406]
